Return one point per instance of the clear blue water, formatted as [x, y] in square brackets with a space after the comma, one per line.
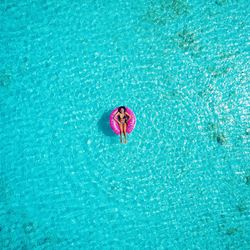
[183, 179]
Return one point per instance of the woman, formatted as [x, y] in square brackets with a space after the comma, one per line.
[122, 117]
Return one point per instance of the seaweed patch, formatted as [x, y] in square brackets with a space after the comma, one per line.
[155, 16]
[217, 71]
[5, 78]
[247, 131]
[28, 227]
[221, 2]
[220, 138]
[187, 41]
[225, 2]
[180, 7]
[247, 180]
[241, 207]
[160, 13]
[217, 136]
[48, 239]
[232, 231]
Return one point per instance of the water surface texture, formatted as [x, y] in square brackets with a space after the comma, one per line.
[183, 179]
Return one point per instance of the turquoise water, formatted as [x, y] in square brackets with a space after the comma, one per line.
[181, 182]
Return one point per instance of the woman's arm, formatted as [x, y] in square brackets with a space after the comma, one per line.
[115, 117]
[129, 116]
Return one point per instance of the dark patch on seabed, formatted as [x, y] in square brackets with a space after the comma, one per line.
[29, 227]
[220, 138]
[187, 41]
[48, 240]
[229, 231]
[180, 7]
[232, 231]
[5, 78]
[248, 180]
[217, 136]
[241, 207]
[165, 10]
[247, 131]
[218, 71]
[224, 2]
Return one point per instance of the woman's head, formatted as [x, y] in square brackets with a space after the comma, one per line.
[122, 109]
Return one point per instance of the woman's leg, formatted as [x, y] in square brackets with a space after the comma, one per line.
[124, 131]
[121, 131]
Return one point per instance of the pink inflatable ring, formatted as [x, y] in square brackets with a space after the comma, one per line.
[130, 124]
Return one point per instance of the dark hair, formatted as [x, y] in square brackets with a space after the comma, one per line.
[121, 107]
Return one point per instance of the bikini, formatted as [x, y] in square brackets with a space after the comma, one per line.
[124, 117]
